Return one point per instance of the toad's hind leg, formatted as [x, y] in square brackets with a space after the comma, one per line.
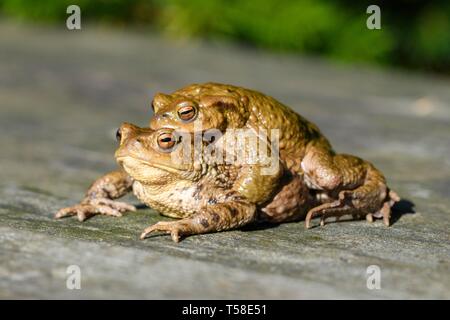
[333, 209]
[320, 168]
[371, 199]
[290, 203]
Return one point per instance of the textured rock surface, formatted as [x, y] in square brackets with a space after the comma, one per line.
[63, 94]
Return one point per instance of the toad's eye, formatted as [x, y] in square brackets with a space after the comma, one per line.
[166, 141]
[119, 135]
[187, 113]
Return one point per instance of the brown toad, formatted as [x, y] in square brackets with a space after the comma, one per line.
[218, 196]
[201, 193]
[345, 183]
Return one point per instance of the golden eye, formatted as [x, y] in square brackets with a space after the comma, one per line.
[166, 141]
[187, 113]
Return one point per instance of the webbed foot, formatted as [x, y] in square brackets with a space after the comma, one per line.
[176, 229]
[91, 207]
[352, 203]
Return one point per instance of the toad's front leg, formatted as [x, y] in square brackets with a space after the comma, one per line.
[214, 218]
[99, 198]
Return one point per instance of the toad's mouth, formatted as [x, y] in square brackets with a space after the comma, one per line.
[130, 163]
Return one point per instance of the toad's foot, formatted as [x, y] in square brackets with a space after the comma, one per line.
[175, 228]
[91, 207]
[346, 205]
[336, 208]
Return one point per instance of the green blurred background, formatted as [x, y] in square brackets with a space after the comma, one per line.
[415, 34]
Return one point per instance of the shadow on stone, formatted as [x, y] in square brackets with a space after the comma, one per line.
[259, 226]
[404, 206]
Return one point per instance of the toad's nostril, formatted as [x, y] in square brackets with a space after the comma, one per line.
[119, 135]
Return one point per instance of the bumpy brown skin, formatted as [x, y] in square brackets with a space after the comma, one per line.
[201, 193]
[311, 178]
[345, 184]
[204, 195]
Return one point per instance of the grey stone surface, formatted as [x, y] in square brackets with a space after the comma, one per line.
[63, 94]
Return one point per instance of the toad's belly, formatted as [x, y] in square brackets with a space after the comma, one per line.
[172, 203]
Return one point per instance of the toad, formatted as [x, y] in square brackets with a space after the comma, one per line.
[345, 183]
[311, 178]
[201, 193]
